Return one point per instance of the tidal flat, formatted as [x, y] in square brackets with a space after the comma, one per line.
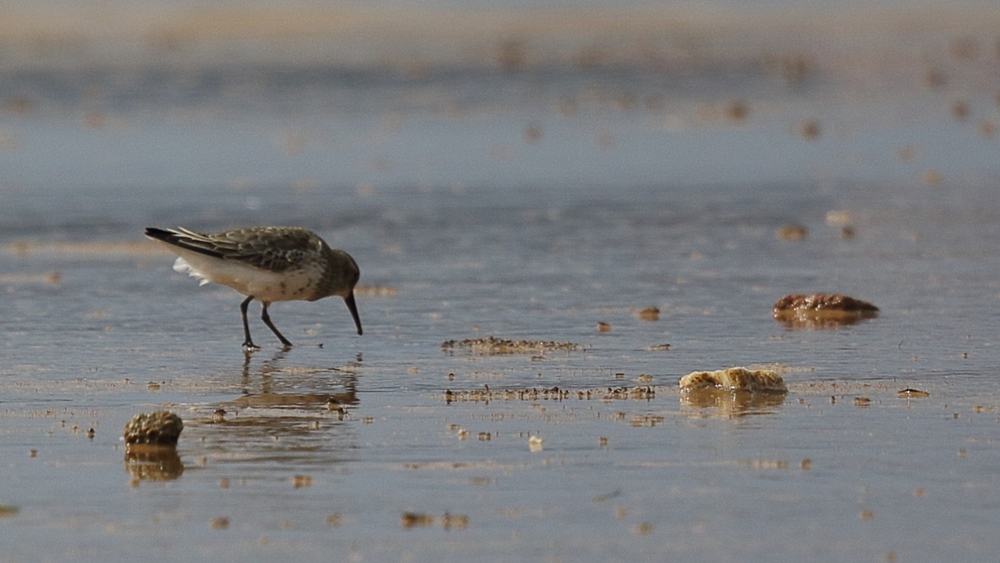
[554, 223]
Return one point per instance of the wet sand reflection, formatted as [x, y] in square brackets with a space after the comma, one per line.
[821, 320]
[264, 389]
[152, 463]
[714, 403]
[274, 420]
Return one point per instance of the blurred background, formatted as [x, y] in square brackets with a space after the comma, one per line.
[446, 93]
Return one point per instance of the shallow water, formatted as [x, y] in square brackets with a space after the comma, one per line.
[525, 202]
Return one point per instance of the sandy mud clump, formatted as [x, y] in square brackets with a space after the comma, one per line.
[823, 302]
[822, 310]
[733, 379]
[159, 428]
[648, 314]
[493, 346]
[791, 232]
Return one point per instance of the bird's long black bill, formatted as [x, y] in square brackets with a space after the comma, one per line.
[353, 307]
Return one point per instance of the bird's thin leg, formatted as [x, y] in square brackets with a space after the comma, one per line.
[267, 320]
[247, 343]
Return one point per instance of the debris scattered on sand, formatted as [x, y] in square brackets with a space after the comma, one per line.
[448, 521]
[493, 346]
[644, 392]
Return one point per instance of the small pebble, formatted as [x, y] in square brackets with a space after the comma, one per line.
[535, 444]
[417, 520]
[649, 314]
[791, 232]
[810, 130]
[219, 523]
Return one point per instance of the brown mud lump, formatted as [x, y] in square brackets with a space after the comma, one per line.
[648, 314]
[158, 428]
[823, 303]
[792, 231]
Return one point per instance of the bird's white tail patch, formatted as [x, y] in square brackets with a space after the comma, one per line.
[181, 266]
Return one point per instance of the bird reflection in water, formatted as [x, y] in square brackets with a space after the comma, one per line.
[283, 413]
[265, 389]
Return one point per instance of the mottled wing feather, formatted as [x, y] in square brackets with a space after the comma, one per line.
[205, 244]
[276, 250]
[271, 248]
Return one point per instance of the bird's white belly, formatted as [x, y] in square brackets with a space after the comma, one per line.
[263, 285]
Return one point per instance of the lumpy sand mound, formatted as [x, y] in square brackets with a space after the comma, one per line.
[734, 379]
[831, 302]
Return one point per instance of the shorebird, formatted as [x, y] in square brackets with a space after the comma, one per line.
[267, 264]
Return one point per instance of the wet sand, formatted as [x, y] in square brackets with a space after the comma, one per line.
[582, 230]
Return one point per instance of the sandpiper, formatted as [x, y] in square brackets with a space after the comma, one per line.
[267, 264]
